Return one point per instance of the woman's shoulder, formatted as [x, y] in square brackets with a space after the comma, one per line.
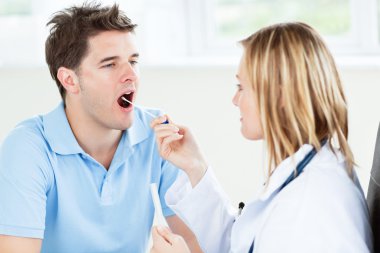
[326, 189]
[326, 192]
[322, 204]
[329, 179]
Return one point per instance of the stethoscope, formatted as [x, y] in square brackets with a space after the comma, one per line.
[299, 169]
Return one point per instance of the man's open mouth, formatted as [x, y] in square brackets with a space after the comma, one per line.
[122, 102]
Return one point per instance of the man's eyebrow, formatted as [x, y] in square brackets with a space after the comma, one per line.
[237, 76]
[108, 59]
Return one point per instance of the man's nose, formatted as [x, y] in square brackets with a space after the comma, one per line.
[129, 74]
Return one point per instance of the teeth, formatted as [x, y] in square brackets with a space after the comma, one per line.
[128, 93]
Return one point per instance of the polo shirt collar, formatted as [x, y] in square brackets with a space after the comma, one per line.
[140, 130]
[62, 140]
[58, 132]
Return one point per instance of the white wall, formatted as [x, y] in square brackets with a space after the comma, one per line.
[200, 97]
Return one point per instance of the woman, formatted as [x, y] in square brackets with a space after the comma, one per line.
[290, 95]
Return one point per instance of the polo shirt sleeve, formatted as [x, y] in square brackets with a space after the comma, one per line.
[168, 176]
[24, 178]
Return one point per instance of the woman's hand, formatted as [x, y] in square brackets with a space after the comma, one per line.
[165, 241]
[177, 145]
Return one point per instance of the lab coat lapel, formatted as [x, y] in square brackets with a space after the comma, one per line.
[283, 171]
[254, 215]
[249, 224]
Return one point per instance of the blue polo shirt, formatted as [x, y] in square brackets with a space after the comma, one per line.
[51, 189]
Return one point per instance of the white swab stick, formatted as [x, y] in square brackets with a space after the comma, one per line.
[126, 100]
[150, 114]
[160, 219]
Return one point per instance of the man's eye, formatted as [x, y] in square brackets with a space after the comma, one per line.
[238, 86]
[133, 62]
[111, 65]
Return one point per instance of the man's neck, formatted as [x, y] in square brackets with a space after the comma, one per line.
[97, 141]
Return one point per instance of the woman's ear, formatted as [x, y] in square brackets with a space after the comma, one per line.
[69, 80]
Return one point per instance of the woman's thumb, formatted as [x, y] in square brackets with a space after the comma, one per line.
[166, 234]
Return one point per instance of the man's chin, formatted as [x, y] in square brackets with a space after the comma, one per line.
[127, 125]
[121, 126]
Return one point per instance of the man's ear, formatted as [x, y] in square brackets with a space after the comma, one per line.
[68, 79]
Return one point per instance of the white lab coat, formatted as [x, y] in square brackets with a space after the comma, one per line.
[322, 210]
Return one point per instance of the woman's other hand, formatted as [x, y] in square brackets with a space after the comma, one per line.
[165, 241]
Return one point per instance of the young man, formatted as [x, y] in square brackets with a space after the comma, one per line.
[77, 179]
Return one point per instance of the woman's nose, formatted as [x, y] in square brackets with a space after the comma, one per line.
[235, 99]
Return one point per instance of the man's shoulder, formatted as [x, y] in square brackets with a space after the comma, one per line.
[31, 126]
[29, 132]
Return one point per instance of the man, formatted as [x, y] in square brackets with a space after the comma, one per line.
[77, 179]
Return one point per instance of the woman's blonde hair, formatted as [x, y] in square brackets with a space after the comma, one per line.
[298, 89]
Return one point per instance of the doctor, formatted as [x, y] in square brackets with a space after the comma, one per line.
[290, 95]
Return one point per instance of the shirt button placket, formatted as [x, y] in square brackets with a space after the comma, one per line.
[106, 195]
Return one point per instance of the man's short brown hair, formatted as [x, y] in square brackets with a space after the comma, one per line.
[67, 43]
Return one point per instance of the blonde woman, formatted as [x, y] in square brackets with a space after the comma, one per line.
[290, 95]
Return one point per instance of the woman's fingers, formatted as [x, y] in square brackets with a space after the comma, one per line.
[166, 134]
[167, 235]
[158, 239]
[160, 245]
[163, 134]
[166, 242]
[164, 131]
[159, 120]
[170, 139]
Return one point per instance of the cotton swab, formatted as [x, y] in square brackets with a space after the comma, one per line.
[150, 114]
[160, 219]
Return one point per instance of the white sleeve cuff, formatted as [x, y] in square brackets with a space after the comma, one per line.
[182, 193]
[203, 207]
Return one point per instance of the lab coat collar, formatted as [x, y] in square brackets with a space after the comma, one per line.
[283, 171]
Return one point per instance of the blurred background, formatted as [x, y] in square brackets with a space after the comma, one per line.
[189, 56]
